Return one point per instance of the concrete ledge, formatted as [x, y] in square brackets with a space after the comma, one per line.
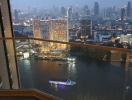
[27, 93]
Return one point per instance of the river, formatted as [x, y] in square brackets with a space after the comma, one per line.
[95, 80]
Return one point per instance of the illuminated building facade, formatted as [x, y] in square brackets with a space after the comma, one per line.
[59, 32]
[52, 29]
[45, 34]
[36, 28]
[45, 29]
[41, 28]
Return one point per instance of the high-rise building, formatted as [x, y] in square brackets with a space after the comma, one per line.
[129, 9]
[16, 17]
[69, 12]
[86, 10]
[109, 12]
[85, 30]
[96, 9]
[69, 17]
[123, 14]
[52, 29]
[58, 30]
[72, 17]
[63, 11]
[36, 28]
[45, 28]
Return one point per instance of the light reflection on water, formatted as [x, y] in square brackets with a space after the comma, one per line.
[58, 87]
[27, 64]
[72, 69]
[95, 80]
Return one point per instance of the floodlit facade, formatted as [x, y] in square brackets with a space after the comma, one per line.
[36, 28]
[52, 29]
[59, 32]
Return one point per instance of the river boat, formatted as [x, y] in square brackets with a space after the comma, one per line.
[68, 82]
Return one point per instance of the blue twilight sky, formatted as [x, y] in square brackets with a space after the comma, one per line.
[23, 4]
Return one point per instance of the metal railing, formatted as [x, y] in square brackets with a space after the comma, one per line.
[106, 48]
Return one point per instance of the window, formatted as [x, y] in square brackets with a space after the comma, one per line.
[76, 50]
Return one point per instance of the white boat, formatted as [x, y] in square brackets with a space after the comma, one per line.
[68, 82]
[71, 59]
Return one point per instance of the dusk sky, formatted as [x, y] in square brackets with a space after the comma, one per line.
[22, 4]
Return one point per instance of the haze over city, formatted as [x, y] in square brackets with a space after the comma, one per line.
[23, 4]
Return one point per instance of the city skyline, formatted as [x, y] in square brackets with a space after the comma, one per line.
[46, 4]
[79, 50]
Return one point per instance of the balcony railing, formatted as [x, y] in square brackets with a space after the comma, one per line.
[34, 48]
[41, 46]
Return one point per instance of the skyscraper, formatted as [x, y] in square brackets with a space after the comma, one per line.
[69, 17]
[96, 9]
[129, 9]
[86, 10]
[36, 28]
[51, 29]
[63, 11]
[45, 28]
[123, 14]
[69, 12]
[85, 30]
[58, 30]
[16, 17]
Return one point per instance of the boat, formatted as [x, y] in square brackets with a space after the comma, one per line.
[68, 82]
[71, 60]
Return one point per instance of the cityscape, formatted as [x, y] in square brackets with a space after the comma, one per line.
[109, 26]
[66, 50]
[105, 27]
